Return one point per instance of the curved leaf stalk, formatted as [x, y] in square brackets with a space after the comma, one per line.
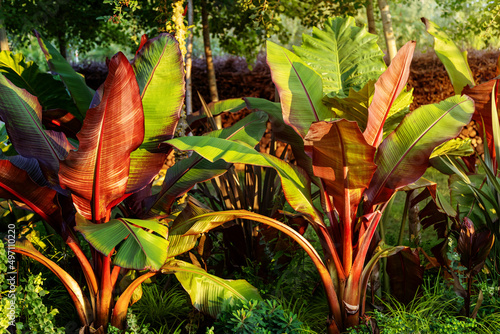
[120, 310]
[81, 303]
[105, 293]
[335, 318]
[90, 277]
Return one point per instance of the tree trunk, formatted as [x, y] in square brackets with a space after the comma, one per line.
[212, 82]
[62, 44]
[370, 17]
[4, 42]
[388, 32]
[189, 60]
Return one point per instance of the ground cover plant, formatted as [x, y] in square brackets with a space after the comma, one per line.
[343, 147]
[88, 167]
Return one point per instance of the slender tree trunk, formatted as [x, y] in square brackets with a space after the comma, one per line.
[189, 60]
[390, 40]
[370, 17]
[4, 42]
[212, 82]
[62, 44]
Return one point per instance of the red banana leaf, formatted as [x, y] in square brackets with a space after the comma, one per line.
[300, 89]
[22, 115]
[16, 184]
[387, 89]
[344, 162]
[97, 173]
[403, 156]
[160, 76]
[406, 274]
[481, 94]
[473, 246]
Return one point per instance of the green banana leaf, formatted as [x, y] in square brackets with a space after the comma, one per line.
[209, 294]
[355, 107]
[403, 156]
[282, 131]
[454, 148]
[299, 88]
[50, 92]
[294, 182]
[463, 196]
[181, 177]
[454, 61]
[218, 107]
[160, 76]
[179, 243]
[347, 56]
[74, 82]
[141, 249]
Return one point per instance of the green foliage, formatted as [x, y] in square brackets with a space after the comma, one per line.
[31, 312]
[133, 327]
[256, 317]
[158, 306]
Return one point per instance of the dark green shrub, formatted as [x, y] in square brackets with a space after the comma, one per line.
[256, 317]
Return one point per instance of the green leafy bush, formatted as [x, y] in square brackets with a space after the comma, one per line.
[31, 313]
[256, 317]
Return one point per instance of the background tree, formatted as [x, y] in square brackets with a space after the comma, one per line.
[4, 42]
[68, 22]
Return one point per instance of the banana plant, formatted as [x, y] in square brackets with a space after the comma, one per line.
[98, 182]
[474, 191]
[351, 150]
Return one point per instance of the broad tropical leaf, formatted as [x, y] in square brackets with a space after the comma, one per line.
[347, 56]
[343, 161]
[160, 75]
[16, 184]
[97, 173]
[224, 216]
[74, 82]
[406, 274]
[179, 242]
[404, 155]
[299, 87]
[186, 173]
[381, 251]
[295, 184]
[218, 107]
[355, 107]
[22, 115]
[454, 148]
[81, 303]
[481, 94]
[282, 131]
[387, 88]
[50, 92]
[209, 294]
[141, 249]
[450, 55]
[463, 196]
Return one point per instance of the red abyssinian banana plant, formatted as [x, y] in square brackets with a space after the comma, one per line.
[343, 128]
[99, 182]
